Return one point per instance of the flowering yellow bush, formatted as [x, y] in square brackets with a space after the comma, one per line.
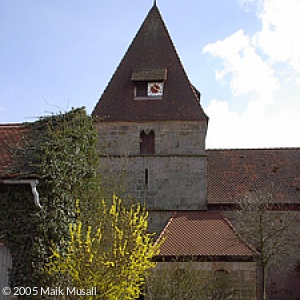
[113, 256]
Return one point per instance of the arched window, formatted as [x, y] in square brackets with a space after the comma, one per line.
[221, 274]
[147, 142]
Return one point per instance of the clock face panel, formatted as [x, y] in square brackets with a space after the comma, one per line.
[155, 89]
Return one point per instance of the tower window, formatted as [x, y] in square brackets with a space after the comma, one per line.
[146, 176]
[147, 142]
[145, 89]
[141, 89]
[148, 83]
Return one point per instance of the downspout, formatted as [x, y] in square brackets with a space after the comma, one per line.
[32, 182]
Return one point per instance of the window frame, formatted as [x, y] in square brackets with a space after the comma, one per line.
[145, 86]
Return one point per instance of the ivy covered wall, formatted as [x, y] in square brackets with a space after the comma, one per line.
[18, 230]
[61, 152]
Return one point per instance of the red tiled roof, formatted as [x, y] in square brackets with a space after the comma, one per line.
[150, 52]
[202, 233]
[10, 136]
[233, 173]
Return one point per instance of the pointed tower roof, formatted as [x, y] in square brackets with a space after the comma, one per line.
[150, 58]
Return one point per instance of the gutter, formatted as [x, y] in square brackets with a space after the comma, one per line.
[32, 182]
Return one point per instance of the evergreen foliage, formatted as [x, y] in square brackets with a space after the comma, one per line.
[61, 151]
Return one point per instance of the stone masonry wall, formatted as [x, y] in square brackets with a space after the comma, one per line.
[174, 183]
[176, 173]
[171, 137]
[284, 276]
[242, 275]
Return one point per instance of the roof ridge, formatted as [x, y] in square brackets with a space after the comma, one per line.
[164, 231]
[241, 239]
[178, 57]
[12, 125]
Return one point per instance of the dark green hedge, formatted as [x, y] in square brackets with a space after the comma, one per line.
[61, 151]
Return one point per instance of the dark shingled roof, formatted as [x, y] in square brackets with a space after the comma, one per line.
[204, 234]
[10, 136]
[150, 53]
[233, 173]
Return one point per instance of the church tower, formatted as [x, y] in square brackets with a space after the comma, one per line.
[152, 127]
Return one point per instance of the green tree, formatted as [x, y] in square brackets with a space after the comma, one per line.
[113, 256]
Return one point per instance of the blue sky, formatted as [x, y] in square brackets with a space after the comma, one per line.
[243, 55]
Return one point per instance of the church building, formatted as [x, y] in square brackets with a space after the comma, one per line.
[152, 131]
[151, 139]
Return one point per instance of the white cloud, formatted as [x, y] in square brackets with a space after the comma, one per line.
[249, 73]
[264, 70]
[278, 36]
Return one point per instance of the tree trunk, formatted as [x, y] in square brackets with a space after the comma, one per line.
[261, 285]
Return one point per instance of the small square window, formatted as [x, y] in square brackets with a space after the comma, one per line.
[141, 89]
[145, 89]
[148, 83]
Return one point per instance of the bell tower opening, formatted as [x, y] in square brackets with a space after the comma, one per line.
[147, 142]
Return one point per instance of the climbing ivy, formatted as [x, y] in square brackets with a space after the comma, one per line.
[61, 152]
[18, 231]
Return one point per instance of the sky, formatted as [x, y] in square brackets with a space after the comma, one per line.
[242, 55]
